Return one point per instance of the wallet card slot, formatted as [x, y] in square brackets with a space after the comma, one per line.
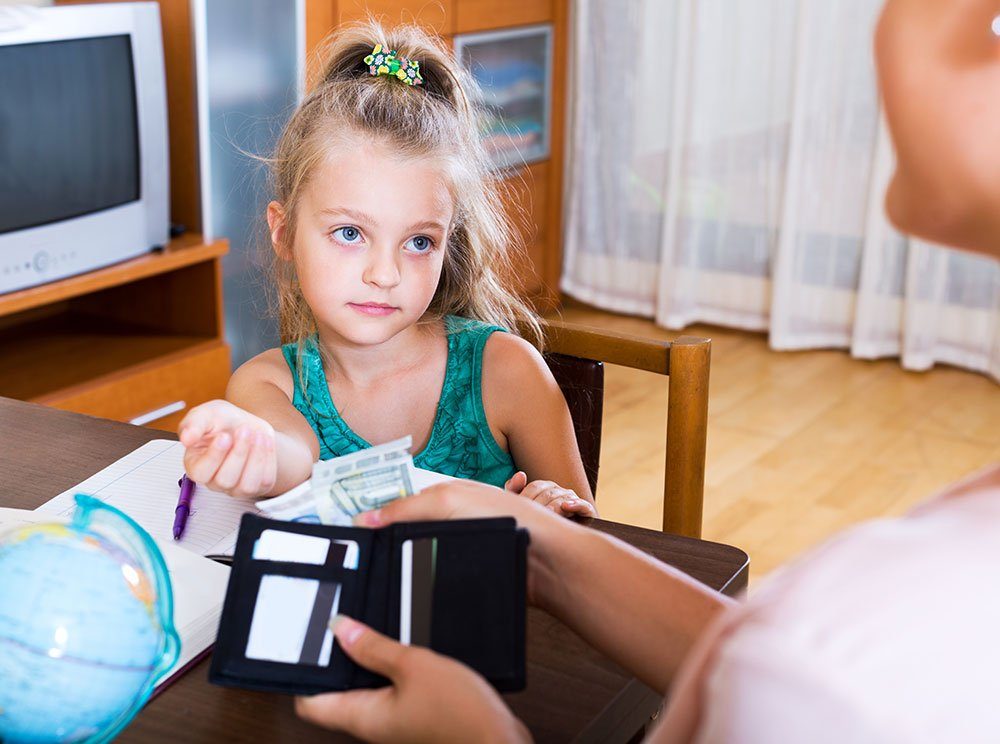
[418, 534]
[282, 631]
[474, 601]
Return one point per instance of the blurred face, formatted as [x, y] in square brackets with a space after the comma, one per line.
[939, 70]
[370, 235]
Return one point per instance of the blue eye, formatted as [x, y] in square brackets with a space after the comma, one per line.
[348, 235]
[420, 244]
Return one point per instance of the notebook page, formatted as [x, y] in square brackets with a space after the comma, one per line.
[199, 590]
[143, 484]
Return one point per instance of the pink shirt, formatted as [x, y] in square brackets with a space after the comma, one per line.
[890, 632]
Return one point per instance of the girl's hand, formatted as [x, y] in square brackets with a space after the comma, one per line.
[551, 495]
[517, 482]
[558, 499]
[229, 450]
[432, 697]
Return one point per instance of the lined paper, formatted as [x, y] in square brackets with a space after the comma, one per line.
[143, 484]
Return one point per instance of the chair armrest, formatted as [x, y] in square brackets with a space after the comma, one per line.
[611, 347]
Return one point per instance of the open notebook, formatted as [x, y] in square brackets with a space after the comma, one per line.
[143, 484]
[199, 586]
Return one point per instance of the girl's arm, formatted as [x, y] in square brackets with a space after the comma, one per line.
[254, 443]
[524, 402]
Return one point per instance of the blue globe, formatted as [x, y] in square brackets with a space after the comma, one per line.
[86, 626]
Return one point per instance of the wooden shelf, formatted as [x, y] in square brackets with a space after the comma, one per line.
[140, 340]
[49, 357]
[179, 253]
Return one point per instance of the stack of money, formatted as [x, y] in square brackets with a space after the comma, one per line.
[368, 479]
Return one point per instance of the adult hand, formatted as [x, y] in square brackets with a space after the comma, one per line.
[228, 449]
[456, 499]
[431, 698]
[463, 499]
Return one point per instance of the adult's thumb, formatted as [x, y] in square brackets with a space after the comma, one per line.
[367, 647]
[421, 507]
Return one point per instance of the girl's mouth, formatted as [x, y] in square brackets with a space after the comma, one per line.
[372, 308]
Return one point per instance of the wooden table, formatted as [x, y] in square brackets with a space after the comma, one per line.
[573, 692]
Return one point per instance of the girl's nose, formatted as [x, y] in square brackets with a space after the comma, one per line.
[382, 269]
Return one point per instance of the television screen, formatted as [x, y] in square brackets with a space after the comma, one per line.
[68, 134]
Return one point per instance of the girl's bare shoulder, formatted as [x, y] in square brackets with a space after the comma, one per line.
[268, 367]
[513, 367]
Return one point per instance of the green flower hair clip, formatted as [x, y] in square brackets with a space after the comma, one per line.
[381, 62]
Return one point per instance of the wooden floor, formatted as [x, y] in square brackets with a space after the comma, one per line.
[800, 444]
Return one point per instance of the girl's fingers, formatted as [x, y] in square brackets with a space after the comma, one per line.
[207, 419]
[555, 504]
[194, 428]
[517, 482]
[578, 506]
[534, 489]
[202, 464]
[270, 474]
[231, 469]
[251, 483]
[553, 495]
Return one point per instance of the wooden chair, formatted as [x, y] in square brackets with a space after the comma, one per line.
[576, 355]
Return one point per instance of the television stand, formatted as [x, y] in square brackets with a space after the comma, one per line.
[139, 341]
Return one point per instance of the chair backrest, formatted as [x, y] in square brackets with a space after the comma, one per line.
[573, 353]
[582, 384]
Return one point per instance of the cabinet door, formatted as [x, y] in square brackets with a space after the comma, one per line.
[172, 385]
[438, 16]
[526, 208]
[483, 15]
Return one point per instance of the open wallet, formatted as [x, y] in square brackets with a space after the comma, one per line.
[456, 587]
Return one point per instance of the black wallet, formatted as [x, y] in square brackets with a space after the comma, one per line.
[457, 587]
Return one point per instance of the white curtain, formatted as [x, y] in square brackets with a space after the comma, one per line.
[728, 165]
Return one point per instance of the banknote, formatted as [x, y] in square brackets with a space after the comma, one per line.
[361, 481]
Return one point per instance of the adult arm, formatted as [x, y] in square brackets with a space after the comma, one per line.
[640, 612]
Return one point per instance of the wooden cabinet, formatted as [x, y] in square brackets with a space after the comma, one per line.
[487, 15]
[438, 17]
[526, 195]
[536, 190]
[137, 341]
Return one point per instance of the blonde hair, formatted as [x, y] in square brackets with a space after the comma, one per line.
[435, 120]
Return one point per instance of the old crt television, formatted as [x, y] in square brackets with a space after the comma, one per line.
[84, 181]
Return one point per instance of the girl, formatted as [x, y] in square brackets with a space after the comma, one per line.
[389, 252]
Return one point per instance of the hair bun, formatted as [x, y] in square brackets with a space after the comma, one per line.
[442, 76]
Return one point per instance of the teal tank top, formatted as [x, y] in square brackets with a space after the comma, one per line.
[461, 443]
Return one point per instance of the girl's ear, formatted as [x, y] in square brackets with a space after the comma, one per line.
[276, 223]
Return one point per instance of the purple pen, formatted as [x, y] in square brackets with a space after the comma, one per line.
[183, 505]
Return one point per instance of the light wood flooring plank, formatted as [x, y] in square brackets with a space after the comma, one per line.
[800, 444]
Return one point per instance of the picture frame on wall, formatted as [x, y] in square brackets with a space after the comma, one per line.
[513, 69]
